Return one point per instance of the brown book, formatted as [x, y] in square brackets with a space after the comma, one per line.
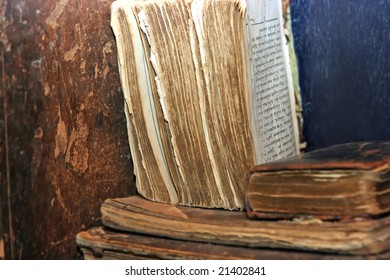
[102, 243]
[334, 183]
[355, 236]
[205, 82]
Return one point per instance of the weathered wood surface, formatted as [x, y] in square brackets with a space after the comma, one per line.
[63, 143]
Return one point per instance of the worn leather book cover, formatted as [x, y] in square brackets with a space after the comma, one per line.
[62, 129]
[101, 243]
[353, 237]
[335, 183]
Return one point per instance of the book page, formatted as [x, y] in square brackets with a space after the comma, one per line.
[273, 119]
[144, 136]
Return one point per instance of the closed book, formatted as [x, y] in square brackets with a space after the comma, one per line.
[353, 237]
[335, 183]
[101, 243]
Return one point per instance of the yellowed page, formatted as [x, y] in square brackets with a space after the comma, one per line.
[273, 117]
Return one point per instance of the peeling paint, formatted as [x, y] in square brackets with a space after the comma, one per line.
[38, 133]
[46, 89]
[61, 138]
[96, 71]
[82, 67]
[77, 154]
[107, 48]
[69, 55]
[51, 20]
[72, 138]
[59, 197]
[105, 71]
[4, 23]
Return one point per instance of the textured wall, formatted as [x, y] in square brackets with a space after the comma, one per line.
[343, 51]
[63, 136]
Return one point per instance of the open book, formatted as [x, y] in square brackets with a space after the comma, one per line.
[208, 94]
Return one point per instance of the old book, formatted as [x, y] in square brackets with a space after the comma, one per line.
[101, 243]
[361, 236]
[338, 182]
[208, 93]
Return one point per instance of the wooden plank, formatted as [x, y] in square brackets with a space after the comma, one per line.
[63, 130]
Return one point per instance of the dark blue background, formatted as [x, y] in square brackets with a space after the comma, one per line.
[343, 52]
